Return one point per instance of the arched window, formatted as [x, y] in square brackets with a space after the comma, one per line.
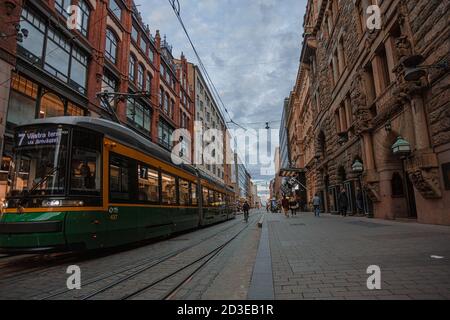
[83, 17]
[141, 76]
[132, 68]
[111, 46]
[397, 185]
[51, 106]
[161, 97]
[148, 83]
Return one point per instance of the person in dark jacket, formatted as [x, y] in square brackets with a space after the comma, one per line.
[343, 203]
[246, 208]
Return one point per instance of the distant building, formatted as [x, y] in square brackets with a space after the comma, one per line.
[207, 112]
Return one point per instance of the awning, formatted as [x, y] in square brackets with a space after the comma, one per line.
[290, 172]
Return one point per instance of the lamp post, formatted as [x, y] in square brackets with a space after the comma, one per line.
[358, 168]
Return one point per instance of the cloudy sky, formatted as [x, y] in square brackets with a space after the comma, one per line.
[250, 48]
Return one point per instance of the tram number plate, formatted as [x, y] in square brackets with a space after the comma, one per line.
[113, 213]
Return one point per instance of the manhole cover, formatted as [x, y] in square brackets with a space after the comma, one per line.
[367, 224]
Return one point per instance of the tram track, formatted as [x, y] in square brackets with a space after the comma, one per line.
[203, 260]
[51, 261]
[136, 269]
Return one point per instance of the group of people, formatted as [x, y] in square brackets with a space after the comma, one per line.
[343, 202]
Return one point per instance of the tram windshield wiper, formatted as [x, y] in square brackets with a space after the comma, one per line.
[25, 194]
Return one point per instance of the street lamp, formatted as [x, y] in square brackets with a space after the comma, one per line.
[357, 166]
[401, 147]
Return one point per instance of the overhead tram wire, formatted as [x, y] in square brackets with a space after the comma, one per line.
[176, 8]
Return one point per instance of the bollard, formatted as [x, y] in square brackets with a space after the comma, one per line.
[260, 223]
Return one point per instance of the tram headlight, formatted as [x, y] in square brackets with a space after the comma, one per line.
[51, 203]
[62, 203]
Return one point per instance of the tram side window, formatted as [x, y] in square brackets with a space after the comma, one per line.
[205, 197]
[86, 163]
[184, 192]
[119, 178]
[219, 199]
[211, 198]
[148, 184]
[194, 200]
[168, 189]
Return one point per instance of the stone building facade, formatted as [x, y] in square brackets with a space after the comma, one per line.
[52, 70]
[359, 89]
[209, 116]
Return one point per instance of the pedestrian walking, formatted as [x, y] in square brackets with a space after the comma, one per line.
[293, 205]
[316, 202]
[343, 203]
[285, 206]
[246, 208]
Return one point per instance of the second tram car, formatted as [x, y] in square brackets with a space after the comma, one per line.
[81, 183]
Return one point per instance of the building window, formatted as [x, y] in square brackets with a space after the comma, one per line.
[172, 108]
[78, 70]
[384, 80]
[143, 45]
[165, 134]
[134, 34]
[111, 46]
[161, 97]
[138, 115]
[141, 76]
[83, 17]
[169, 189]
[148, 184]
[109, 84]
[57, 55]
[51, 106]
[61, 7]
[166, 103]
[115, 8]
[22, 100]
[151, 55]
[148, 83]
[132, 68]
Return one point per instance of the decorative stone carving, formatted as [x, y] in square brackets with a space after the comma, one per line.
[373, 191]
[426, 182]
[403, 46]
[361, 112]
[423, 170]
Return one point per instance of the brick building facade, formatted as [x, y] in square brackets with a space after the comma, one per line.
[49, 69]
[360, 89]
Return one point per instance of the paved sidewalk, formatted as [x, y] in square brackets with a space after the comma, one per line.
[327, 258]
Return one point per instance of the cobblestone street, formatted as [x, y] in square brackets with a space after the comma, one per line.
[327, 258]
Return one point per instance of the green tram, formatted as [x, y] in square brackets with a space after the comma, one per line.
[82, 183]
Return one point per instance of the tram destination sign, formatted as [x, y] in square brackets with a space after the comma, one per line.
[39, 137]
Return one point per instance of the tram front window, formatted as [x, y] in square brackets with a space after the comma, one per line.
[39, 166]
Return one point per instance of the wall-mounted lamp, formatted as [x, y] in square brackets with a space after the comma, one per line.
[417, 72]
[401, 147]
[357, 166]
